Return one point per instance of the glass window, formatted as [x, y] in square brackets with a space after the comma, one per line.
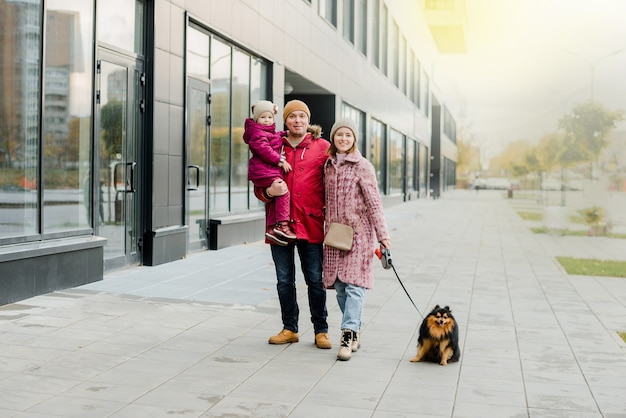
[426, 95]
[423, 159]
[241, 110]
[237, 80]
[395, 53]
[67, 117]
[20, 68]
[396, 162]
[410, 74]
[376, 33]
[120, 23]
[259, 73]
[328, 10]
[402, 67]
[449, 125]
[197, 54]
[220, 126]
[384, 44]
[410, 165]
[361, 26]
[348, 20]
[416, 79]
[358, 117]
[378, 153]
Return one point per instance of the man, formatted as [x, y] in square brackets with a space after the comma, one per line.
[306, 152]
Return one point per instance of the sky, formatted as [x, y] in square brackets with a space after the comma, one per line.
[530, 61]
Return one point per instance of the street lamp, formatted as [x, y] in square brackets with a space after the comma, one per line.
[592, 66]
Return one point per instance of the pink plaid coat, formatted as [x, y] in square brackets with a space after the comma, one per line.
[351, 193]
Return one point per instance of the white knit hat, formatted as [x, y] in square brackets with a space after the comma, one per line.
[344, 123]
[261, 107]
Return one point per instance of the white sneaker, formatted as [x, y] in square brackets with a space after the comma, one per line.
[356, 341]
[345, 348]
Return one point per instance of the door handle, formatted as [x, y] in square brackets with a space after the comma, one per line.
[190, 185]
[127, 170]
[130, 177]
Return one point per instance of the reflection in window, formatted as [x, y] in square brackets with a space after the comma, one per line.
[120, 23]
[348, 20]
[410, 165]
[20, 40]
[396, 162]
[361, 26]
[426, 95]
[378, 153]
[384, 40]
[328, 10]
[394, 65]
[67, 117]
[241, 110]
[237, 80]
[375, 39]
[416, 71]
[449, 124]
[220, 126]
[258, 91]
[402, 82]
[197, 54]
[423, 170]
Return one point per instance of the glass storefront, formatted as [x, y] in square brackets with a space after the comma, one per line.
[236, 79]
[45, 169]
[233, 79]
[411, 184]
[396, 162]
[378, 153]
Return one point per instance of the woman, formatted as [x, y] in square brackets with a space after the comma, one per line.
[352, 198]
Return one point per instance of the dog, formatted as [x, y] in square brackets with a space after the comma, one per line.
[438, 339]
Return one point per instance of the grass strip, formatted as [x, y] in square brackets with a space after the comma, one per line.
[531, 216]
[571, 232]
[593, 267]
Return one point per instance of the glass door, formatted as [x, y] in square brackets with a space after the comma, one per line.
[197, 153]
[119, 104]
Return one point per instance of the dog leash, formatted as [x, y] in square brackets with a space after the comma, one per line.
[385, 258]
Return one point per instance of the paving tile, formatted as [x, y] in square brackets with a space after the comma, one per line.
[247, 407]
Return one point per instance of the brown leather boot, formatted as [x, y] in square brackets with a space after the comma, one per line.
[322, 340]
[284, 337]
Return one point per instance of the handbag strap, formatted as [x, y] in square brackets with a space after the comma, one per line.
[358, 225]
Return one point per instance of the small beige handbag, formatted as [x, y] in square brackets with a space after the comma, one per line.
[341, 236]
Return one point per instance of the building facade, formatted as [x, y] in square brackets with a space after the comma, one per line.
[121, 121]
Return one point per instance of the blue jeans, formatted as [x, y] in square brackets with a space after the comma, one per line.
[350, 298]
[311, 265]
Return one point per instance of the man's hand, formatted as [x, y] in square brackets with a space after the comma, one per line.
[278, 188]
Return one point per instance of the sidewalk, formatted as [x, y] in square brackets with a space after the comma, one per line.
[189, 338]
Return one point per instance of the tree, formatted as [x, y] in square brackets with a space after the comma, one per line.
[586, 129]
[511, 158]
[112, 120]
[468, 158]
